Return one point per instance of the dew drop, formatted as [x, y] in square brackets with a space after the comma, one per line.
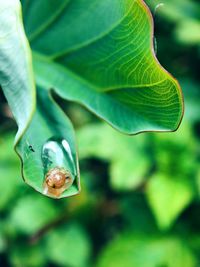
[59, 166]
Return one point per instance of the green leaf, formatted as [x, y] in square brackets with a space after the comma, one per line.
[31, 213]
[168, 146]
[2, 243]
[37, 21]
[128, 160]
[188, 32]
[192, 94]
[168, 197]
[129, 173]
[102, 57]
[29, 256]
[172, 187]
[18, 85]
[69, 246]
[49, 127]
[132, 250]
[16, 75]
[9, 171]
[9, 180]
[198, 181]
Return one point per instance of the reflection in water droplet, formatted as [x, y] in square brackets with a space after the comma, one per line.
[59, 166]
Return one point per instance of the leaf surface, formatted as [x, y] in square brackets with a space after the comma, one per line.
[168, 197]
[97, 53]
[49, 126]
[35, 128]
[102, 57]
[16, 74]
[74, 242]
[138, 251]
[127, 157]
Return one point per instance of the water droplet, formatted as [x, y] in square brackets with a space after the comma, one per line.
[59, 166]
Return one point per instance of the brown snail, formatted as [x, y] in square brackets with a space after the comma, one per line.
[57, 180]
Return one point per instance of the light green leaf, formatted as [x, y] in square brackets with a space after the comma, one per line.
[16, 75]
[9, 180]
[31, 213]
[99, 140]
[132, 250]
[69, 246]
[168, 197]
[126, 155]
[129, 173]
[47, 144]
[102, 57]
[9, 171]
[168, 146]
[188, 32]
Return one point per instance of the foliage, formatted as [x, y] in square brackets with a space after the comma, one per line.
[102, 58]
[146, 251]
[139, 204]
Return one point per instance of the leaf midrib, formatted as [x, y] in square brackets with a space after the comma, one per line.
[76, 77]
[92, 87]
[49, 22]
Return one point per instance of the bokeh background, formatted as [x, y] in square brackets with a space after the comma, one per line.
[140, 199]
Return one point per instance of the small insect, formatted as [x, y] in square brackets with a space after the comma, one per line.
[31, 148]
[57, 180]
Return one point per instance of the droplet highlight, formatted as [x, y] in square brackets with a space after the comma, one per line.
[59, 166]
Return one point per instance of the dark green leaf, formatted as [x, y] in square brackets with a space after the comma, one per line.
[29, 256]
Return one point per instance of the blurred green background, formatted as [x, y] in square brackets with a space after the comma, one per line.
[140, 199]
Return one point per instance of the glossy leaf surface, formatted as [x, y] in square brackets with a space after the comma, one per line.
[16, 76]
[97, 53]
[49, 126]
[102, 57]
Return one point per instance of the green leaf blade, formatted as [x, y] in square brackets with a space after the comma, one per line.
[16, 77]
[137, 250]
[48, 122]
[115, 75]
[97, 53]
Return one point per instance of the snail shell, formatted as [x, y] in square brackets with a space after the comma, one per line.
[56, 181]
